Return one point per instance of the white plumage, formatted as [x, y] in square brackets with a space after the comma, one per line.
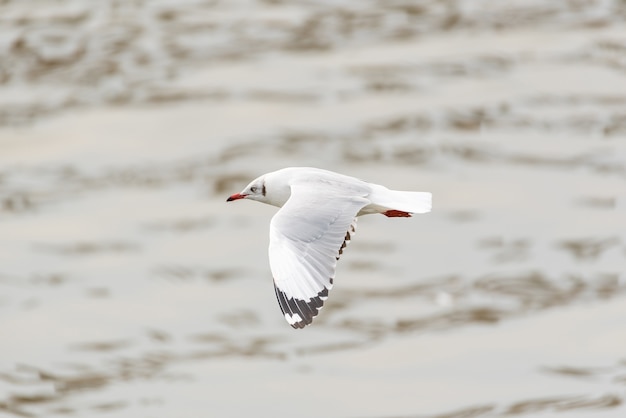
[316, 221]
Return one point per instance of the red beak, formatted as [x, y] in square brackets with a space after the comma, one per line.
[236, 196]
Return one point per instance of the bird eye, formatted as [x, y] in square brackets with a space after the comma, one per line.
[254, 189]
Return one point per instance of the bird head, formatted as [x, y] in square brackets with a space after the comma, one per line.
[255, 191]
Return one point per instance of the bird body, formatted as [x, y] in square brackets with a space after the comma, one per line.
[316, 221]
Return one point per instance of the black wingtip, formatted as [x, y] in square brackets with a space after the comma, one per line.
[297, 312]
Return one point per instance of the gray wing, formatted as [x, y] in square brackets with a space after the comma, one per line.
[307, 236]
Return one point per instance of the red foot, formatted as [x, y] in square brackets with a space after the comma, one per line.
[397, 214]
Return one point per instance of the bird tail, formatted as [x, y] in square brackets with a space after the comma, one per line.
[395, 201]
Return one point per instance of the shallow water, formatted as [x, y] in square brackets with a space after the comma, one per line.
[128, 287]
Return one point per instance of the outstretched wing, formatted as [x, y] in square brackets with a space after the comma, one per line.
[307, 236]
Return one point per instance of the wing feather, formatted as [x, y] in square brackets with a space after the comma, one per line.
[307, 236]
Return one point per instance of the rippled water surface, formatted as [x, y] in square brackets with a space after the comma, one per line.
[129, 288]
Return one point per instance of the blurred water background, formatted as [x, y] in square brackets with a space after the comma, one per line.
[129, 288]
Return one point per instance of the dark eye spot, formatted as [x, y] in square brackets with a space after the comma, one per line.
[254, 189]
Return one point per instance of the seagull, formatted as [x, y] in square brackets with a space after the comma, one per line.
[316, 222]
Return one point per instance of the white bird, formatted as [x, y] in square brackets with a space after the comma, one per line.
[316, 221]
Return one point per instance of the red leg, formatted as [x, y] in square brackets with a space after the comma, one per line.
[396, 214]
